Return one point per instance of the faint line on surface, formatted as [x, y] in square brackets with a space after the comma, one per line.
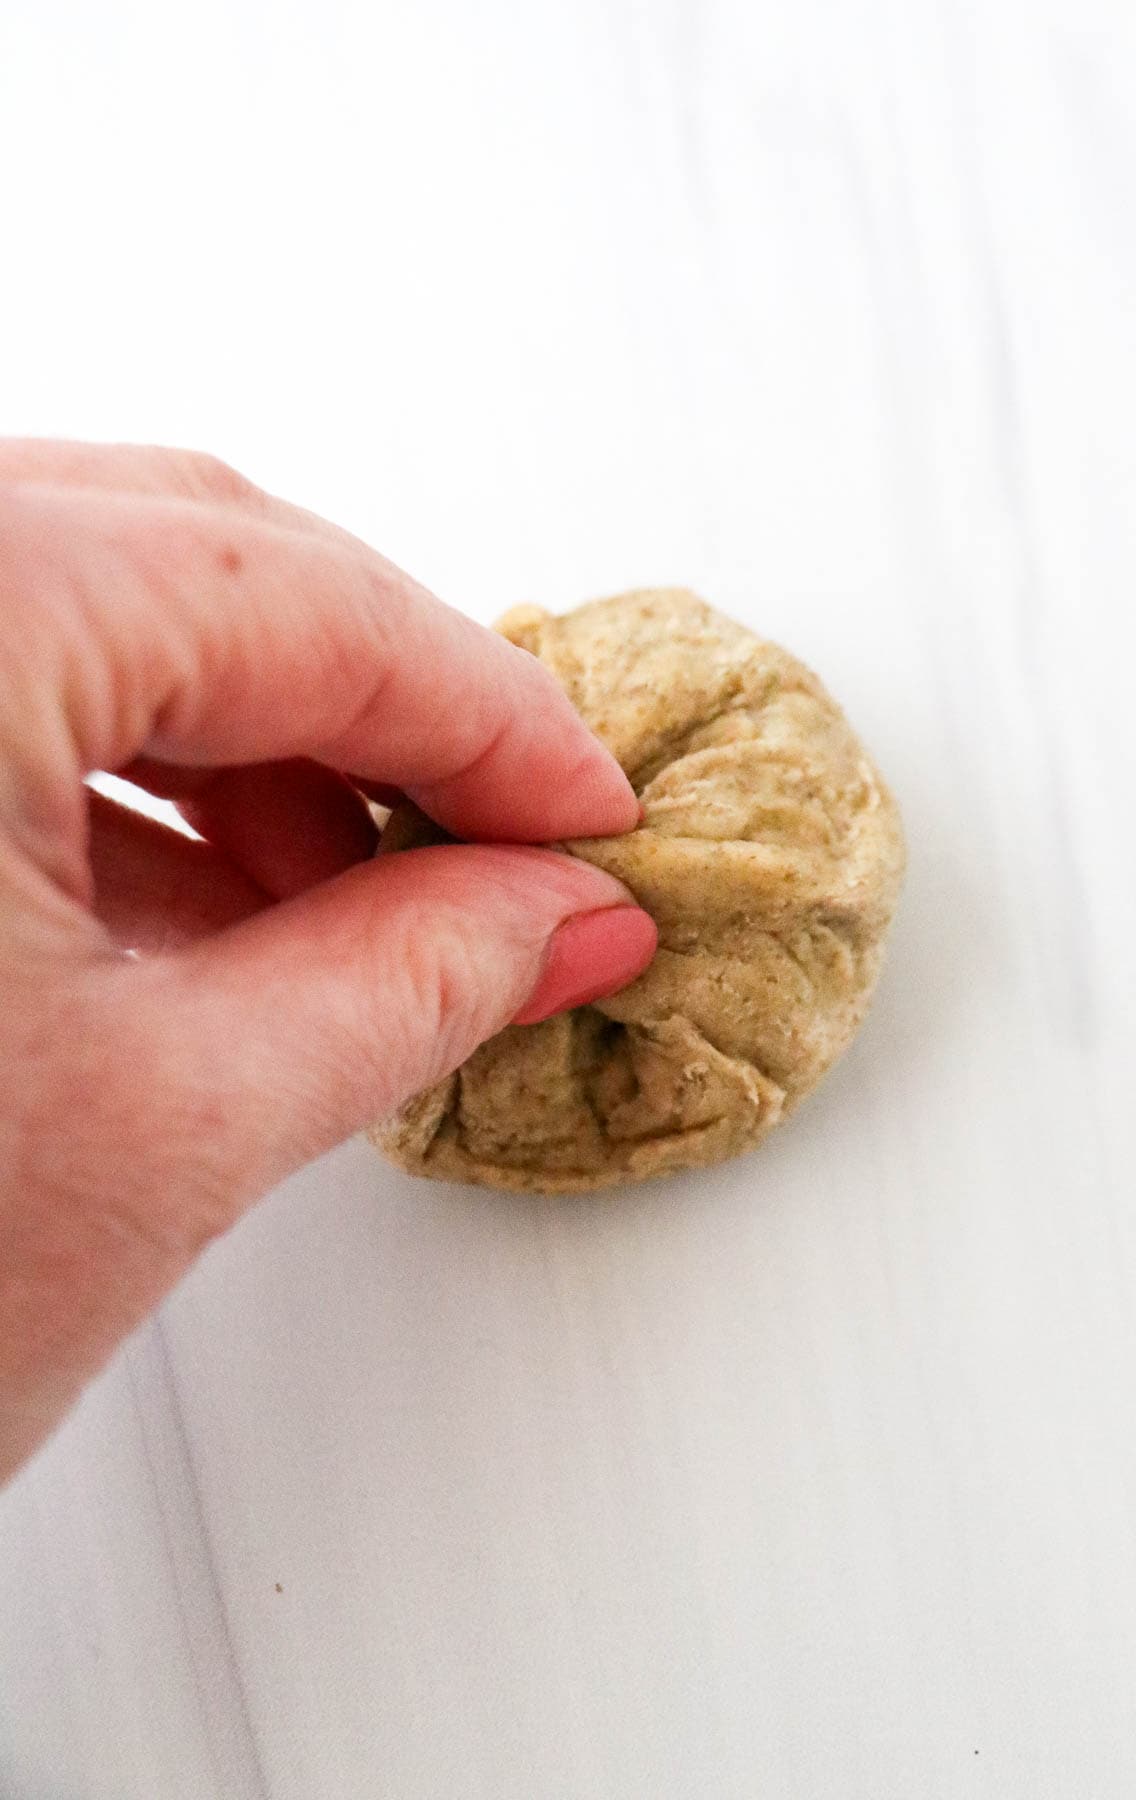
[243, 1756]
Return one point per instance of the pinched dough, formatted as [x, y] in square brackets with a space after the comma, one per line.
[770, 856]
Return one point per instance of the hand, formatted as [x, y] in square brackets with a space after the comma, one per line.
[162, 617]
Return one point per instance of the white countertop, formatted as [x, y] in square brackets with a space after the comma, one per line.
[813, 1477]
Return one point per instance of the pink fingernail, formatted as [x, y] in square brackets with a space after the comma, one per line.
[590, 955]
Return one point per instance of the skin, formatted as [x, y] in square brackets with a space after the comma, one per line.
[184, 1022]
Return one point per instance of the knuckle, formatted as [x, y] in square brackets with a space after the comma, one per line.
[448, 1008]
[435, 1005]
[209, 477]
[37, 597]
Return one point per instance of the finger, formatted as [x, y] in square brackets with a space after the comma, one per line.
[177, 781]
[287, 825]
[223, 1066]
[209, 636]
[119, 468]
[153, 469]
[338, 1005]
[155, 889]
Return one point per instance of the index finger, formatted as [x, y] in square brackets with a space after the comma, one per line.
[195, 633]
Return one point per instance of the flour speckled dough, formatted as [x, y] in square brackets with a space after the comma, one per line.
[770, 856]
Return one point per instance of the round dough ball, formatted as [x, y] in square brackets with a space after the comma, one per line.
[770, 856]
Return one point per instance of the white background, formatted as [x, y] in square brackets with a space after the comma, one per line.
[811, 1478]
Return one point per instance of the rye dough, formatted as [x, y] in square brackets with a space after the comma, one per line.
[770, 856]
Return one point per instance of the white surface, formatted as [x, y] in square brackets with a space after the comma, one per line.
[813, 1478]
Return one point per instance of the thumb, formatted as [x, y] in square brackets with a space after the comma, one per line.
[317, 1016]
[168, 1094]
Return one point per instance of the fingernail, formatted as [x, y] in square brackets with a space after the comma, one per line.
[590, 955]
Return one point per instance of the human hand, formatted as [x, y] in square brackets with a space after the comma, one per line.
[162, 617]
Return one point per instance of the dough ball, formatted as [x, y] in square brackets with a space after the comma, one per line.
[770, 856]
